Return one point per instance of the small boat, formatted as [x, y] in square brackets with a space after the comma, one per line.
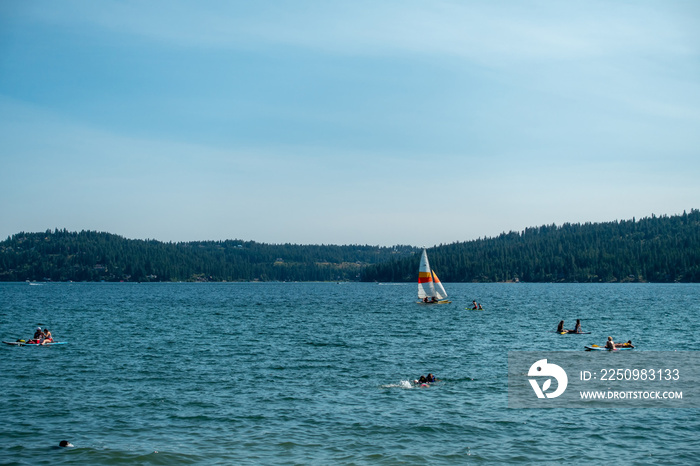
[430, 290]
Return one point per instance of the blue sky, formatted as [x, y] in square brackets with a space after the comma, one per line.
[394, 122]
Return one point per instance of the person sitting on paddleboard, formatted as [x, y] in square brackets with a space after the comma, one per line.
[480, 308]
[47, 336]
[610, 344]
[474, 306]
[38, 337]
[430, 378]
[560, 327]
[577, 327]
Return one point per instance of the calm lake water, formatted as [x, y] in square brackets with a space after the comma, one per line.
[317, 373]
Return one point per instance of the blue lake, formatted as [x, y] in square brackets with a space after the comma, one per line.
[317, 373]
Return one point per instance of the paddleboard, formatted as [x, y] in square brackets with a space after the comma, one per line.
[24, 343]
[603, 348]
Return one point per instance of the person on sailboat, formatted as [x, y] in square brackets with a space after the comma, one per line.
[433, 299]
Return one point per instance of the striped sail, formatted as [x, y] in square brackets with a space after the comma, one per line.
[426, 289]
[440, 292]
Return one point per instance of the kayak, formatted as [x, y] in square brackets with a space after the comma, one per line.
[603, 348]
[24, 343]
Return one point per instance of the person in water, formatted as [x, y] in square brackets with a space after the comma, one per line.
[577, 327]
[423, 380]
[610, 344]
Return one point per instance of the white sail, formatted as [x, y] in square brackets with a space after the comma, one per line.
[440, 292]
[425, 278]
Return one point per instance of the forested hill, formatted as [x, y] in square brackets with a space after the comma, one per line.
[656, 249]
[61, 255]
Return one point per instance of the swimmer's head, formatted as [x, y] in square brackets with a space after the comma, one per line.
[65, 443]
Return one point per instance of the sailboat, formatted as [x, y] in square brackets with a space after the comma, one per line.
[430, 290]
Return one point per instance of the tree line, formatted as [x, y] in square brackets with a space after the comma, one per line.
[653, 249]
[60, 255]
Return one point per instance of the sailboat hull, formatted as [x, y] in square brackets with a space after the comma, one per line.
[444, 301]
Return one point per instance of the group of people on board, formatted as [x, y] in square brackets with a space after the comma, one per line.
[576, 329]
[610, 344]
[476, 306]
[41, 337]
